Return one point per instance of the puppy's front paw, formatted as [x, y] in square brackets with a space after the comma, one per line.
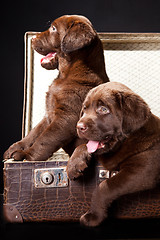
[18, 146]
[76, 169]
[78, 162]
[21, 155]
[90, 219]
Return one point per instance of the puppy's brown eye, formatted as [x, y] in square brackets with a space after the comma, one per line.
[102, 110]
[54, 28]
[84, 107]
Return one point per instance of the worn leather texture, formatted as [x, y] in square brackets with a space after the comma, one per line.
[45, 204]
[70, 202]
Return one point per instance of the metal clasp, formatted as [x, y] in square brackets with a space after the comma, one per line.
[50, 177]
[103, 173]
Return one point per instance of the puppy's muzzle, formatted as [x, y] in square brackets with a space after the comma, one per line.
[81, 127]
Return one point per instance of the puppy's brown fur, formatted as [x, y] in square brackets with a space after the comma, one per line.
[78, 54]
[129, 142]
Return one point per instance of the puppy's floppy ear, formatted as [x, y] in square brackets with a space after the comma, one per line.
[78, 35]
[135, 112]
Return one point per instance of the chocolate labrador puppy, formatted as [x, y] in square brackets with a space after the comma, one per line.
[72, 45]
[124, 136]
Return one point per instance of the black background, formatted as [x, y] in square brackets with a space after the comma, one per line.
[17, 17]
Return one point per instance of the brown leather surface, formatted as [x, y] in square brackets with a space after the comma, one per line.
[144, 204]
[67, 203]
[44, 204]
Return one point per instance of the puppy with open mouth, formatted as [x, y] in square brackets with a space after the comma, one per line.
[71, 45]
[124, 136]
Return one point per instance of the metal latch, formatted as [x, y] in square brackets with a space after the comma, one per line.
[50, 177]
[103, 173]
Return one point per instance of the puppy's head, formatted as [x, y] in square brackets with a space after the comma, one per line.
[65, 35]
[110, 113]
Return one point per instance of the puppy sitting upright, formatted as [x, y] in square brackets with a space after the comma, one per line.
[124, 136]
[73, 46]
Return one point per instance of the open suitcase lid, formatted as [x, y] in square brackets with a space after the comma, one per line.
[131, 58]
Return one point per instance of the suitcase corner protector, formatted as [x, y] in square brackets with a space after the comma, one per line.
[11, 214]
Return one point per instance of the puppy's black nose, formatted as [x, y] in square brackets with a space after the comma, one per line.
[81, 127]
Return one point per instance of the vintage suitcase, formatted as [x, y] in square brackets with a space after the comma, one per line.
[40, 191]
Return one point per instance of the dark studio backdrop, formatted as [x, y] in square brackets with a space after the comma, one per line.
[17, 17]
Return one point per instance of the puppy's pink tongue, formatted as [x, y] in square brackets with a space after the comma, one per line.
[48, 57]
[92, 146]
